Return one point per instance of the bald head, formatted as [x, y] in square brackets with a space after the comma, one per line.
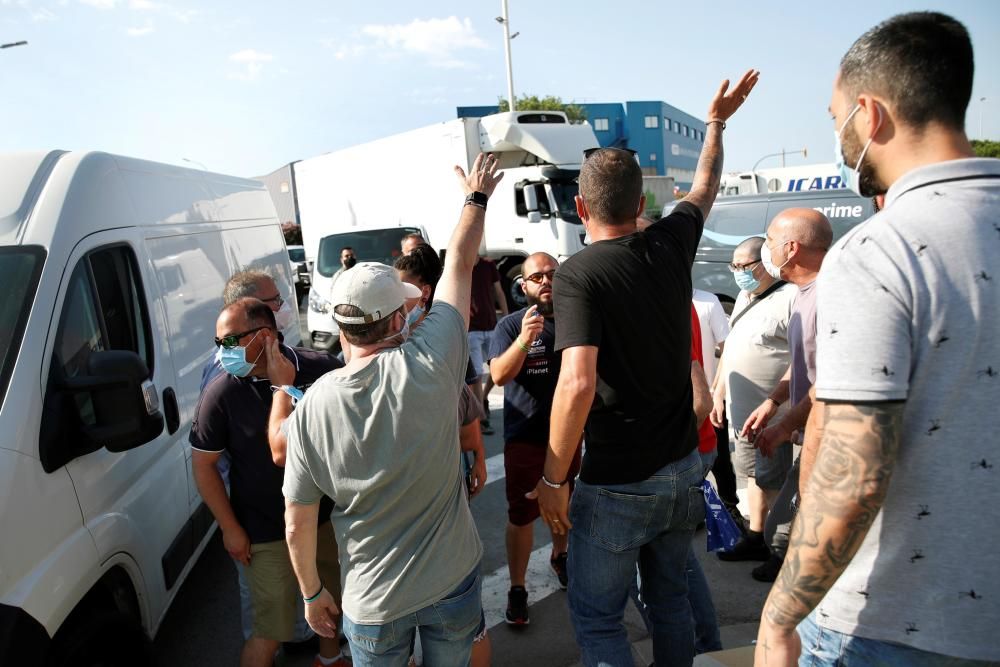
[539, 261]
[806, 225]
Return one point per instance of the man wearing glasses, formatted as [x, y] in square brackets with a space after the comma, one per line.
[523, 360]
[232, 418]
[753, 362]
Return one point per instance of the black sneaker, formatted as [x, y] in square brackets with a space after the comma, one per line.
[768, 572]
[517, 606]
[751, 547]
[558, 564]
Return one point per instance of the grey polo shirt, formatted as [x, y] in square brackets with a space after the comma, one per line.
[908, 308]
[756, 352]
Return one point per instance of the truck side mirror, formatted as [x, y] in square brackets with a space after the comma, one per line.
[126, 403]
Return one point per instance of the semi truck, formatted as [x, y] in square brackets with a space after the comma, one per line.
[407, 181]
[804, 178]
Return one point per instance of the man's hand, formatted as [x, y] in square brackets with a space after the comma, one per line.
[776, 646]
[531, 325]
[725, 104]
[768, 440]
[237, 543]
[553, 504]
[758, 419]
[482, 178]
[718, 413]
[280, 370]
[478, 474]
[322, 613]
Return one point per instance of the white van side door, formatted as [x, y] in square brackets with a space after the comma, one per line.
[134, 503]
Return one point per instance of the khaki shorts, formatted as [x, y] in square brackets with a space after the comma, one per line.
[768, 473]
[274, 588]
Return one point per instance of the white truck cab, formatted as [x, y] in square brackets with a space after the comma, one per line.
[113, 270]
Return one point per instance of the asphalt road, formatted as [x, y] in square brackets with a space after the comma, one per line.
[202, 627]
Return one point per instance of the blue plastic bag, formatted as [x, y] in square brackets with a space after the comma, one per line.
[723, 533]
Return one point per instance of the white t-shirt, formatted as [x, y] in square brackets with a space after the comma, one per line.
[714, 328]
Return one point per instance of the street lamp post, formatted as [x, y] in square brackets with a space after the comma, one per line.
[505, 22]
[11, 45]
[783, 153]
[982, 101]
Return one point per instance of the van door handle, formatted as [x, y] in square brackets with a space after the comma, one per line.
[170, 410]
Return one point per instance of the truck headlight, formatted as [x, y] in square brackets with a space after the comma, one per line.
[318, 304]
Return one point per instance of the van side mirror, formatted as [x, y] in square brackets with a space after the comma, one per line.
[126, 404]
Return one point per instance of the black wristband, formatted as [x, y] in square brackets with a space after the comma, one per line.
[477, 199]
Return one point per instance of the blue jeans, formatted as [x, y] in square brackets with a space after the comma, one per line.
[822, 647]
[447, 628]
[616, 527]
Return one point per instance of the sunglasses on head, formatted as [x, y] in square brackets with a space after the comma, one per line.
[232, 340]
[590, 151]
[276, 299]
[541, 275]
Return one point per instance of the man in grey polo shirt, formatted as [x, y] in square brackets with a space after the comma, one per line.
[893, 553]
[753, 361]
[380, 437]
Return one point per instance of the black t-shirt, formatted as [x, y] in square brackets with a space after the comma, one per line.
[527, 400]
[631, 298]
[232, 416]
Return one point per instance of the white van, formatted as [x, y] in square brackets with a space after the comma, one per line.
[112, 272]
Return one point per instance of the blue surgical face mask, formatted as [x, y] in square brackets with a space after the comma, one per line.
[851, 177]
[745, 280]
[414, 315]
[403, 333]
[234, 359]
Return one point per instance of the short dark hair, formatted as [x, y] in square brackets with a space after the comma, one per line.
[752, 245]
[257, 313]
[243, 283]
[611, 185]
[921, 61]
[347, 247]
[362, 334]
[423, 263]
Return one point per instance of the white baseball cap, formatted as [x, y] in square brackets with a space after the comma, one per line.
[372, 287]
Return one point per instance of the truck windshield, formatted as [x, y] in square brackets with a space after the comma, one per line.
[20, 268]
[565, 193]
[297, 254]
[374, 245]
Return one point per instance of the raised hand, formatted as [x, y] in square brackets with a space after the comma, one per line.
[532, 325]
[483, 177]
[726, 102]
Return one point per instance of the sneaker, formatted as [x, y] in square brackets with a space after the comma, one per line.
[517, 606]
[768, 572]
[748, 548]
[342, 661]
[558, 564]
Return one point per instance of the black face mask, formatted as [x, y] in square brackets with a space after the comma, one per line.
[350, 262]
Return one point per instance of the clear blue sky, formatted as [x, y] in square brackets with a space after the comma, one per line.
[244, 87]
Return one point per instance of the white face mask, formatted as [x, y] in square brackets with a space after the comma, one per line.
[284, 317]
[852, 177]
[765, 259]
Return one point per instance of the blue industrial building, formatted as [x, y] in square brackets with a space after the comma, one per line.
[667, 141]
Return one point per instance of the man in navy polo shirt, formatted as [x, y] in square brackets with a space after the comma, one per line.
[524, 362]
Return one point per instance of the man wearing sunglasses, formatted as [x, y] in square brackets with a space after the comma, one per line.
[523, 360]
[232, 418]
[623, 324]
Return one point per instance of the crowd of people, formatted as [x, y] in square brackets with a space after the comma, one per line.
[854, 385]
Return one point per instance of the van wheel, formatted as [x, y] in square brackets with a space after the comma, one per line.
[511, 283]
[106, 639]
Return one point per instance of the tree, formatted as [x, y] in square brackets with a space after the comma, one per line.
[986, 148]
[574, 112]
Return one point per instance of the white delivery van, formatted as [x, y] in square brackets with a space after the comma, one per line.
[112, 270]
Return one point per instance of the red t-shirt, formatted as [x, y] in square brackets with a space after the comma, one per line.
[482, 306]
[706, 432]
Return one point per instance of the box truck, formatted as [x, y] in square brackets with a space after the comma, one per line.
[113, 270]
[406, 180]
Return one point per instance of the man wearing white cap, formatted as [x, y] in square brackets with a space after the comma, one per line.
[380, 437]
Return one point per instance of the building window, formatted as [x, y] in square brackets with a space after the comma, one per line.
[284, 187]
[652, 157]
[600, 124]
[666, 123]
[677, 127]
[684, 130]
[652, 122]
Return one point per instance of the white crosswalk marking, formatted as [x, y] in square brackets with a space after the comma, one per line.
[540, 581]
[494, 469]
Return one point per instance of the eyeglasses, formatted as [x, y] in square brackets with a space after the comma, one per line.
[735, 268]
[541, 275]
[232, 340]
[276, 299]
[590, 151]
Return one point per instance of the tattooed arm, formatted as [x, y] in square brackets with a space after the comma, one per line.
[810, 441]
[844, 494]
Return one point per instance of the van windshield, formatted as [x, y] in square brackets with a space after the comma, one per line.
[297, 254]
[374, 245]
[20, 268]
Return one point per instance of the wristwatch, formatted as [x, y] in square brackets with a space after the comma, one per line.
[477, 199]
